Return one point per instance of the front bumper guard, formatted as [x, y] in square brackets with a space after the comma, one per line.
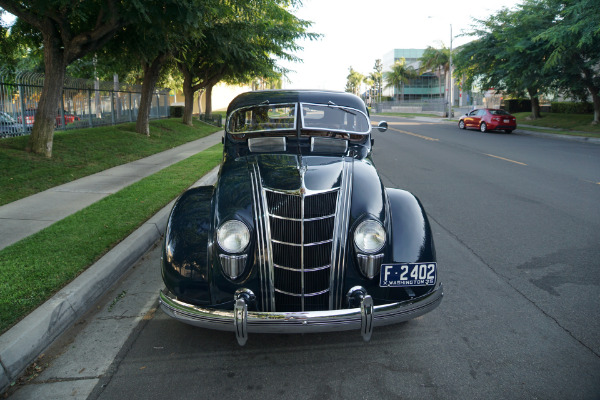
[241, 321]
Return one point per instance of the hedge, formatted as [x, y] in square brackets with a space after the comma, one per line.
[571, 107]
[176, 111]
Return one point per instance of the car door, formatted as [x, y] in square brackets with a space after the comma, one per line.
[471, 119]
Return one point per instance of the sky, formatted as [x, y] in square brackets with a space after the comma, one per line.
[358, 32]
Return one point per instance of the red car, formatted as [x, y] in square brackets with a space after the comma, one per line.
[30, 118]
[488, 119]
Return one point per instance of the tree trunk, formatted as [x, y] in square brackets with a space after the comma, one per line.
[208, 106]
[535, 104]
[596, 99]
[42, 135]
[188, 92]
[151, 73]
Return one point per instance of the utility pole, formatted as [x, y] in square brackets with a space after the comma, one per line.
[451, 89]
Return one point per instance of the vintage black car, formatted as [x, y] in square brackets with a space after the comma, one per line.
[298, 234]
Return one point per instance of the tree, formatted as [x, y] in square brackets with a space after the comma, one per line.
[436, 59]
[354, 80]
[168, 26]
[240, 44]
[69, 31]
[572, 39]
[506, 57]
[399, 75]
[377, 76]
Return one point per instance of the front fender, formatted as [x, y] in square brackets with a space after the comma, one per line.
[188, 239]
[412, 240]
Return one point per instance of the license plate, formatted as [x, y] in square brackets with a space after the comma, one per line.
[408, 274]
[506, 121]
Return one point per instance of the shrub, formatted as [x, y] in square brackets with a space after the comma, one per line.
[176, 111]
[571, 107]
[516, 105]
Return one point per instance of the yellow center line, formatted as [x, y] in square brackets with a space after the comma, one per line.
[415, 134]
[505, 159]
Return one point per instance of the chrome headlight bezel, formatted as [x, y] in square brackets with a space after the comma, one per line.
[233, 236]
[370, 236]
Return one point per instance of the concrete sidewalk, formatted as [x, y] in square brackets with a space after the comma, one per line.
[24, 342]
[27, 216]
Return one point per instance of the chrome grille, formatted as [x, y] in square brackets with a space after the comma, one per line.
[301, 228]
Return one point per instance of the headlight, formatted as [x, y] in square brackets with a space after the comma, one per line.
[369, 236]
[233, 236]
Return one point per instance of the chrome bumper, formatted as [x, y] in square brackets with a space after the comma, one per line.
[241, 321]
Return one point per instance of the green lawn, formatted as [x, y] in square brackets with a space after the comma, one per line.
[83, 152]
[567, 122]
[35, 268]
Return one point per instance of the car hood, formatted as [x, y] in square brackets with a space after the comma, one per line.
[291, 172]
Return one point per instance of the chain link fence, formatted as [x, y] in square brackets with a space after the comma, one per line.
[85, 103]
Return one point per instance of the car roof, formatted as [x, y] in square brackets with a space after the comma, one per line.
[295, 96]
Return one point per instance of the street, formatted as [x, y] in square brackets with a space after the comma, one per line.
[516, 221]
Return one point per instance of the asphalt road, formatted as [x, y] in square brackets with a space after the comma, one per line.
[516, 221]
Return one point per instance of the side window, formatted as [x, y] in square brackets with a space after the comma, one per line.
[481, 113]
[473, 113]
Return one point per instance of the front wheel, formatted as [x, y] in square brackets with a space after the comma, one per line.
[483, 127]
[461, 125]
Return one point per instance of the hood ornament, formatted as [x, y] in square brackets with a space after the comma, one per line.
[302, 168]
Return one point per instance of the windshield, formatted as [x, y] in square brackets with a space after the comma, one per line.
[277, 118]
[334, 118]
[262, 118]
[498, 112]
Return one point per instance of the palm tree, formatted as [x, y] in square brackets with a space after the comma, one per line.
[354, 80]
[399, 75]
[436, 59]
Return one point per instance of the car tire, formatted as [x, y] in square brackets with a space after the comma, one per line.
[461, 125]
[483, 127]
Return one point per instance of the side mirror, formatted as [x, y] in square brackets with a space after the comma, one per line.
[383, 126]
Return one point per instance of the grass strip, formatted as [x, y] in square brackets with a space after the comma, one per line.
[409, 115]
[563, 123]
[35, 268]
[82, 152]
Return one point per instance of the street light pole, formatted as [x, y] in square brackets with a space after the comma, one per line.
[450, 91]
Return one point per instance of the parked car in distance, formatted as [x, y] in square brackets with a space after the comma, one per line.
[30, 118]
[68, 118]
[298, 234]
[488, 119]
[8, 125]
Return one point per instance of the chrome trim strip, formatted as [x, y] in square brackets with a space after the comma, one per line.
[302, 171]
[300, 322]
[267, 144]
[299, 244]
[340, 236]
[305, 269]
[297, 192]
[302, 294]
[299, 220]
[263, 234]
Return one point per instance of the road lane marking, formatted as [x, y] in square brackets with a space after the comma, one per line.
[505, 159]
[416, 135]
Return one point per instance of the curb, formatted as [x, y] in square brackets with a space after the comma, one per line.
[22, 344]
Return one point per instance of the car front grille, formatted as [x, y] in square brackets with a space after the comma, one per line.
[301, 228]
